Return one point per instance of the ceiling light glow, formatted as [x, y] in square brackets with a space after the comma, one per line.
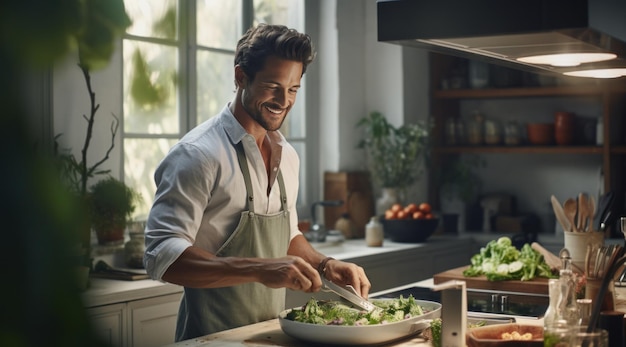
[567, 59]
[598, 73]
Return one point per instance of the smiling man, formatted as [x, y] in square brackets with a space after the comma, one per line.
[223, 223]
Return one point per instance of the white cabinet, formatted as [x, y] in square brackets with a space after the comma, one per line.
[153, 321]
[137, 323]
[109, 322]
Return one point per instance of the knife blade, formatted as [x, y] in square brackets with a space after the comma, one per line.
[352, 297]
[560, 214]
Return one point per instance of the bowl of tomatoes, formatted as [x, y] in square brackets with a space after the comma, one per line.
[413, 223]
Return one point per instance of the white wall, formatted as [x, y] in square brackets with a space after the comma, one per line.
[71, 102]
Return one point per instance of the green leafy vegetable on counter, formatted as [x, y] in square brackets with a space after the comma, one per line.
[499, 260]
[434, 332]
[336, 313]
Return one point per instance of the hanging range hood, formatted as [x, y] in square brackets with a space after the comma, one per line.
[509, 32]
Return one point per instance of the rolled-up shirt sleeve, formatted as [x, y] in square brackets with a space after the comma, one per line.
[182, 181]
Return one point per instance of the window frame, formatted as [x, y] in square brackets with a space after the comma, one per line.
[188, 48]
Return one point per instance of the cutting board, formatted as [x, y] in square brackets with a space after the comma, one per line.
[534, 286]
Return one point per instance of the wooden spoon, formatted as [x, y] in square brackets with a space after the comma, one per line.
[570, 208]
[592, 212]
[583, 212]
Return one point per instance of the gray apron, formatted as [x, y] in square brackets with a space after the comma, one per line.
[204, 311]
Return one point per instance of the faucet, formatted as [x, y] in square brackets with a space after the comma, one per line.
[318, 231]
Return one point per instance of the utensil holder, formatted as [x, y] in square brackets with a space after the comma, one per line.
[576, 243]
[591, 292]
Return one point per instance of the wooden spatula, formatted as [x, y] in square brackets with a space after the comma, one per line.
[551, 259]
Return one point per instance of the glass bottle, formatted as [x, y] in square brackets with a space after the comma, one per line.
[584, 306]
[374, 233]
[554, 293]
[567, 309]
[475, 129]
[451, 135]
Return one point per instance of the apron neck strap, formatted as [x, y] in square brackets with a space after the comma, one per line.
[243, 164]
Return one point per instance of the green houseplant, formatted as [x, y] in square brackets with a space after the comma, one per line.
[393, 154]
[96, 30]
[112, 203]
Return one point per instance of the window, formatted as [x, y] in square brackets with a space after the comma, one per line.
[178, 72]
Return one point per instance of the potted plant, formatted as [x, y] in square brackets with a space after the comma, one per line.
[393, 155]
[97, 28]
[111, 203]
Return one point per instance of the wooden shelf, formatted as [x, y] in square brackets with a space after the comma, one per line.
[609, 96]
[522, 149]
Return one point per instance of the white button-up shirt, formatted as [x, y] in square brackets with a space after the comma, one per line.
[201, 191]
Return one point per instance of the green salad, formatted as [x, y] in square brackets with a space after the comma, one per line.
[337, 313]
[499, 260]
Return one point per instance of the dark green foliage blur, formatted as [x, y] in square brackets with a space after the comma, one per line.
[41, 301]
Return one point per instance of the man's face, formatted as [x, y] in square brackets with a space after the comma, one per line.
[271, 95]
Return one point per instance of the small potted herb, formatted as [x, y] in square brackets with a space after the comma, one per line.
[112, 203]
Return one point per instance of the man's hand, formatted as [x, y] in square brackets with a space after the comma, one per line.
[344, 273]
[290, 272]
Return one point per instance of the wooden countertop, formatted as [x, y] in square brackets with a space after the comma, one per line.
[267, 334]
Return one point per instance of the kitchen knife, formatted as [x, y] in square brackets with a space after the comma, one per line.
[560, 214]
[604, 207]
[351, 296]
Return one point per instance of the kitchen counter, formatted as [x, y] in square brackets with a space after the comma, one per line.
[107, 291]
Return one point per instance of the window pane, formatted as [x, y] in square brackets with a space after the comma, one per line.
[293, 126]
[154, 18]
[216, 76]
[150, 88]
[285, 12]
[219, 23]
[141, 157]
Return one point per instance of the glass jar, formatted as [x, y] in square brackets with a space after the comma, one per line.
[451, 137]
[475, 129]
[512, 133]
[374, 233]
[455, 132]
[492, 135]
[134, 249]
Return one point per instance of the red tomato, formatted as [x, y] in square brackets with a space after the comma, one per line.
[402, 214]
[410, 208]
[389, 214]
[418, 215]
